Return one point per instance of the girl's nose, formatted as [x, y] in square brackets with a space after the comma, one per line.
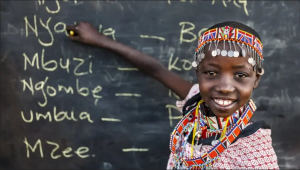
[225, 85]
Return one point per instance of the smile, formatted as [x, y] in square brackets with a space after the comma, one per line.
[223, 103]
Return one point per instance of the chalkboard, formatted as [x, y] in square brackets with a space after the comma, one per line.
[66, 105]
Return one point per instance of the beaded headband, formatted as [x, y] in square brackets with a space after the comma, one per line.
[236, 38]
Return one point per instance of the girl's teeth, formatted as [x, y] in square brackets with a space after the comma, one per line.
[223, 102]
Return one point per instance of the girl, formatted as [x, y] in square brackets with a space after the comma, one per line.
[215, 131]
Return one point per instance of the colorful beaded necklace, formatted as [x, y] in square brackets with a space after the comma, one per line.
[216, 125]
[189, 123]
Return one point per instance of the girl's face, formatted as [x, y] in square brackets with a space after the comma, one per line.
[226, 83]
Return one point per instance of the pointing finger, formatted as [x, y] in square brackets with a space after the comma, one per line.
[72, 30]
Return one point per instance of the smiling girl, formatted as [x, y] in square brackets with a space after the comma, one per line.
[215, 131]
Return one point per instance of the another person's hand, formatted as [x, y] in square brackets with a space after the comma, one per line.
[87, 34]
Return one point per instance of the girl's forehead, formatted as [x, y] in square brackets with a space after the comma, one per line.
[226, 62]
[228, 47]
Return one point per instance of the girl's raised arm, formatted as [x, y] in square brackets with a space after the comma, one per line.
[85, 33]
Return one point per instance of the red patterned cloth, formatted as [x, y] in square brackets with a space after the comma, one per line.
[252, 152]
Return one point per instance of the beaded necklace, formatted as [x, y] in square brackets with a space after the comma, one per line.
[189, 123]
[213, 122]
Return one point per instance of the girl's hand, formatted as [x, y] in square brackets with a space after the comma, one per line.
[87, 34]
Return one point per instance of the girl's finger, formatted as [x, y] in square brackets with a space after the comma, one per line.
[72, 30]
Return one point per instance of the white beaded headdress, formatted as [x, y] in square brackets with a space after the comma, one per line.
[236, 39]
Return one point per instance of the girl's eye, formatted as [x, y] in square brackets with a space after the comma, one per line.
[241, 75]
[211, 73]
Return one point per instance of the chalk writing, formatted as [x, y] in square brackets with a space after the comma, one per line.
[191, 1]
[60, 27]
[56, 116]
[224, 2]
[81, 152]
[53, 11]
[188, 31]
[110, 120]
[244, 2]
[35, 30]
[53, 65]
[51, 91]
[127, 69]
[135, 150]
[174, 94]
[153, 37]
[172, 64]
[75, 1]
[128, 95]
[171, 117]
[81, 62]
[33, 27]
[108, 32]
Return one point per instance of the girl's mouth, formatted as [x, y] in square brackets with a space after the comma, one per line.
[223, 105]
[223, 102]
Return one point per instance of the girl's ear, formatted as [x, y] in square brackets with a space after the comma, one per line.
[258, 77]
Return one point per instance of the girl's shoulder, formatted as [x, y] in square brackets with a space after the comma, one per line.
[193, 91]
[255, 129]
[254, 148]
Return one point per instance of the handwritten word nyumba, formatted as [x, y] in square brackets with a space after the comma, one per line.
[51, 91]
[59, 27]
[81, 152]
[224, 2]
[53, 65]
[56, 116]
